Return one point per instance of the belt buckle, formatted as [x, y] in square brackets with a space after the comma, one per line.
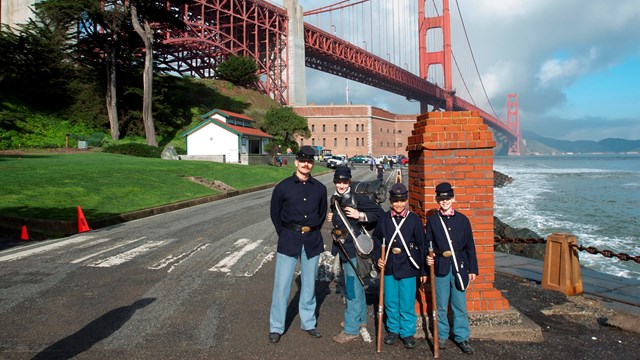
[305, 229]
[396, 251]
[446, 253]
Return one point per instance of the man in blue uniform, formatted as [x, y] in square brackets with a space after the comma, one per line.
[298, 210]
[403, 234]
[359, 211]
[455, 265]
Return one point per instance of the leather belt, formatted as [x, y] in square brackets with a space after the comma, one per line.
[299, 228]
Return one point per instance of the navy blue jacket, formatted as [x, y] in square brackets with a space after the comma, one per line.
[462, 240]
[412, 230]
[363, 204]
[302, 203]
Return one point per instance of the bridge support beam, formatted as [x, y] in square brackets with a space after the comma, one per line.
[297, 94]
[458, 147]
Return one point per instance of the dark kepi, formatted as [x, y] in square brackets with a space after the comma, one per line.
[305, 153]
[342, 173]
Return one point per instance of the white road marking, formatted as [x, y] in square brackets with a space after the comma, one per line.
[93, 243]
[176, 260]
[269, 257]
[105, 250]
[41, 249]
[126, 256]
[225, 264]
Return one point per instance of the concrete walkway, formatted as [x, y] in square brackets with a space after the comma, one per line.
[613, 292]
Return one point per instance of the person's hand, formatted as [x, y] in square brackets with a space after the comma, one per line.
[352, 213]
[430, 260]
[472, 277]
[381, 263]
[423, 279]
[329, 217]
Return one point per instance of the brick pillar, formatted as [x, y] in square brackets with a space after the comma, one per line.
[456, 146]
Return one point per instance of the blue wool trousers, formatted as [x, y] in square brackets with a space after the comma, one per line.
[446, 291]
[399, 304]
[355, 313]
[285, 267]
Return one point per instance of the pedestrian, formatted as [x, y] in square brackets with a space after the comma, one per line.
[380, 172]
[455, 266]
[385, 162]
[298, 210]
[372, 162]
[403, 233]
[360, 212]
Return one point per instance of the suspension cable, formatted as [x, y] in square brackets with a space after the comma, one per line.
[474, 60]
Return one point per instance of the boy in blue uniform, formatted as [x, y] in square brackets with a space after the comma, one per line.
[298, 210]
[403, 233]
[359, 211]
[455, 265]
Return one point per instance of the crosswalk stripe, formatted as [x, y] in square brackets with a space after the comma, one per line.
[225, 264]
[105, 250]
[176, 260]
[41, 249]
[126, 256]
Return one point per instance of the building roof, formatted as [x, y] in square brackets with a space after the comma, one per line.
[227, 114]
[231, 128]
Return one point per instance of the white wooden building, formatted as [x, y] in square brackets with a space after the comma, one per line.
[225, 136]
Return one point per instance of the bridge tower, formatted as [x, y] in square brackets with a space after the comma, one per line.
[513, 121]
[441, 57]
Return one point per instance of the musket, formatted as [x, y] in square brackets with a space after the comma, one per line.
[434, 309]
[381, 300]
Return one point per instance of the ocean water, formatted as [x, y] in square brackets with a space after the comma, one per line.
[594, 197]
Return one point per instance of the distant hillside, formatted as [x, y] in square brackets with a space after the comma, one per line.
[537, 144]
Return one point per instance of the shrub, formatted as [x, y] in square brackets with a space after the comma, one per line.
[134, 149]
[239, 70]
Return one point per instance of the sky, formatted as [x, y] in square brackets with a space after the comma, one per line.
[575, 64]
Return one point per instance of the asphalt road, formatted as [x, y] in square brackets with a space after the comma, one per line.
[196, 284]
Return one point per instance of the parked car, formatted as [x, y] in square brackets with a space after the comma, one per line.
[337, 160]
[360, 159]
[403, 160]
[380, 158]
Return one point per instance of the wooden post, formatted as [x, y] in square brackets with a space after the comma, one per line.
[561, 269]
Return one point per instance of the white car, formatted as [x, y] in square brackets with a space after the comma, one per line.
[337, 160]
[380, 158]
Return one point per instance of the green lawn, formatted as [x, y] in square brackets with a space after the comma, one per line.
[52, 186]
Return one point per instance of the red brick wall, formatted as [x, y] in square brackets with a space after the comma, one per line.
[458, 147]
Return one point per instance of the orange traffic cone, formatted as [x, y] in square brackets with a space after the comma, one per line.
[82, 222]
[25, 234]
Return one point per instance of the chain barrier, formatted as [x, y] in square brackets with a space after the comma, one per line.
[590, 249]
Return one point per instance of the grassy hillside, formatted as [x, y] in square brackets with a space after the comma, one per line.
[179, 103]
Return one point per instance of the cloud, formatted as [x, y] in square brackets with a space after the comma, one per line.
[544, 50]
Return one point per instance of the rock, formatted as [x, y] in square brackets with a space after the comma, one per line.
[500, 179]
[169, 153]
[532, 251]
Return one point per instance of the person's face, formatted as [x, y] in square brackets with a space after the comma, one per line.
[304, 166]
[445, 202]
[342, 186]
[398, 205]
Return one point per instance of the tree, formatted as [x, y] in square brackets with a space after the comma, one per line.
[239, 70]
[284, 125]
[146, 34]
[100, 32]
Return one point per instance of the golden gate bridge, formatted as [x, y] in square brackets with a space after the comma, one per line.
[401, 46]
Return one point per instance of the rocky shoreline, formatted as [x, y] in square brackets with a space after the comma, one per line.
[502, 230]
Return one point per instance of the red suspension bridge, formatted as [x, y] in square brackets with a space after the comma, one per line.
[400, 46]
